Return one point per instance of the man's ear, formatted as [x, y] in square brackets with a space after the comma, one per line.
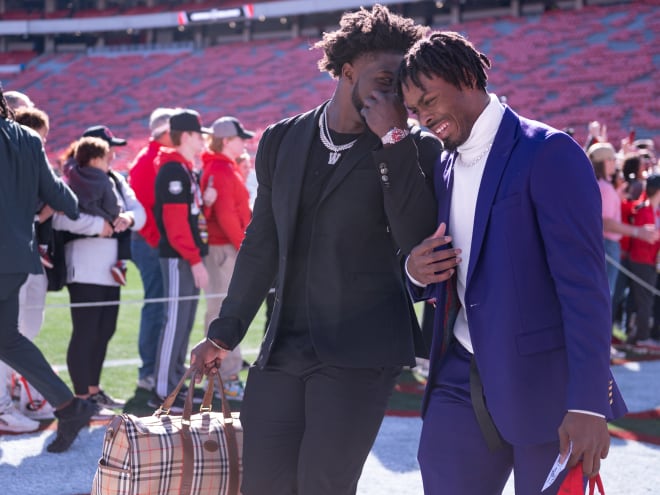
[348, 72]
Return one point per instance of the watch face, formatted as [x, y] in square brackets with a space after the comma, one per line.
[394, 135]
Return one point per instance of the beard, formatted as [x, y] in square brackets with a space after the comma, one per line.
[357, 102]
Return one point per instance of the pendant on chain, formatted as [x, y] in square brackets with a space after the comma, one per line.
[334, 157]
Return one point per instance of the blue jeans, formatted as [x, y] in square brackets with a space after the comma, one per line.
[613, 249]
[153, 315]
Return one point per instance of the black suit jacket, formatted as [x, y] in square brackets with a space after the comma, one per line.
[26, 178]
[359, 312]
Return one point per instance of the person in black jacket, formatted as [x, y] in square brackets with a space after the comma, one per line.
[344, 189]
[27, 178]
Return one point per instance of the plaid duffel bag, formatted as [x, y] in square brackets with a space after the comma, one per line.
[163, 454]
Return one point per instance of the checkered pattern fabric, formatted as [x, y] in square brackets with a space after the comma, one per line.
[144, 456]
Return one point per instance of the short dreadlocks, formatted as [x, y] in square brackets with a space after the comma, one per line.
[366, 31]
[448, 55]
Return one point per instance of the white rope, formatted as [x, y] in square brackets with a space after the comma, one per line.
[632, 276]
[127, 301]
[609, 259]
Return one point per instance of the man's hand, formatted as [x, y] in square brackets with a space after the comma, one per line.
[591, 441]
[382, 111]
[428, 266]
[206, 357]
[200, 275]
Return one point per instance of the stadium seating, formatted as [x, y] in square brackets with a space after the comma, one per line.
[565, 68]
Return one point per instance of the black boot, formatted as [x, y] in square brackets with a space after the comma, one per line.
[72, 419]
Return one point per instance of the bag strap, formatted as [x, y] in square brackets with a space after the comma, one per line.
[186, 438]
[230, 435]
[596, 481]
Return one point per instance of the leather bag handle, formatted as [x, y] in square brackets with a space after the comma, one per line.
[207, 406]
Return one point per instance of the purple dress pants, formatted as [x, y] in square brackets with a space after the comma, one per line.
[453, 454]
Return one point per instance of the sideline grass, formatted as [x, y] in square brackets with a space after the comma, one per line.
[119, 381]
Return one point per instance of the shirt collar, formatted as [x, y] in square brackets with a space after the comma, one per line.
[484, 129]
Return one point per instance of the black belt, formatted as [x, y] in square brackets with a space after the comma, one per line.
[488, 428]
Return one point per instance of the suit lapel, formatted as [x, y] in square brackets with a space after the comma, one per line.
[497, 161]
[365, 144]
[291, 163]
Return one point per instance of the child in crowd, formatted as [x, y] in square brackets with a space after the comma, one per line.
[95, 186]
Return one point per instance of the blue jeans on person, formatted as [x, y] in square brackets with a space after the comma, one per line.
[613, 250]
[153, 315]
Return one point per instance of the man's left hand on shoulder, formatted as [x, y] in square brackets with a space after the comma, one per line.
[590, 437]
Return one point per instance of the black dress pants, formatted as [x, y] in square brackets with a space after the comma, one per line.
[309, 430]
[19, 352]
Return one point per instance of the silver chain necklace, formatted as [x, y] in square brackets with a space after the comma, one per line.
[477, 159]
[335, 150]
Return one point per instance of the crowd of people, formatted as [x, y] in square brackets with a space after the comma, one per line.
[157, 217]
[502, 222]
[629, 181]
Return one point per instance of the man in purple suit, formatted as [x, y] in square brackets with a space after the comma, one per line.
[520, 354]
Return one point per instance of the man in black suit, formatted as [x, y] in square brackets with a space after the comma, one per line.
[343, 191]
[26, 177]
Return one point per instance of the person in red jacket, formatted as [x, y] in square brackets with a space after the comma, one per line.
[643, 262]
[144, 245]
[227, 218]
[182, 247]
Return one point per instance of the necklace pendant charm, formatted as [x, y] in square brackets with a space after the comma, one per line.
[334, 157]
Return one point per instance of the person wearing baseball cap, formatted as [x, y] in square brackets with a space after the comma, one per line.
[226, 127]
[103, 132]
[182, 246]
[186, 120]
[227, 211]
[144, 244]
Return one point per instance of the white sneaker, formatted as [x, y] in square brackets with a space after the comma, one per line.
[102, 413]
[43, 411]
[32, 404]
[13, 421]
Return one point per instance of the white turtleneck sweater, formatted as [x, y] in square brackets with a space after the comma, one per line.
[468, 170]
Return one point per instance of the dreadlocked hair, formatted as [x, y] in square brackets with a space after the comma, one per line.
[366, 31]
[5, 111]
[448, 55]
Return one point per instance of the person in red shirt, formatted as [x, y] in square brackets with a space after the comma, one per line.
[182, 247]
[227, 217]
[643, 262]
[144, 245]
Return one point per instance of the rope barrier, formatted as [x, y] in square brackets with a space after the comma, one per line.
[608, 258]
[632, 276]
[127, 301]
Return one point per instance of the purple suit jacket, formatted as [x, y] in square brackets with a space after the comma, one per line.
[537, 295]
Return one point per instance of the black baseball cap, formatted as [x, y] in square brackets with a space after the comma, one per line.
[102, 132]
[187, 120]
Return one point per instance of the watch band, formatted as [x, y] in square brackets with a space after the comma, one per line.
[394, 135]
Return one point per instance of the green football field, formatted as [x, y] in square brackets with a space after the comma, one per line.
[122, 361]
